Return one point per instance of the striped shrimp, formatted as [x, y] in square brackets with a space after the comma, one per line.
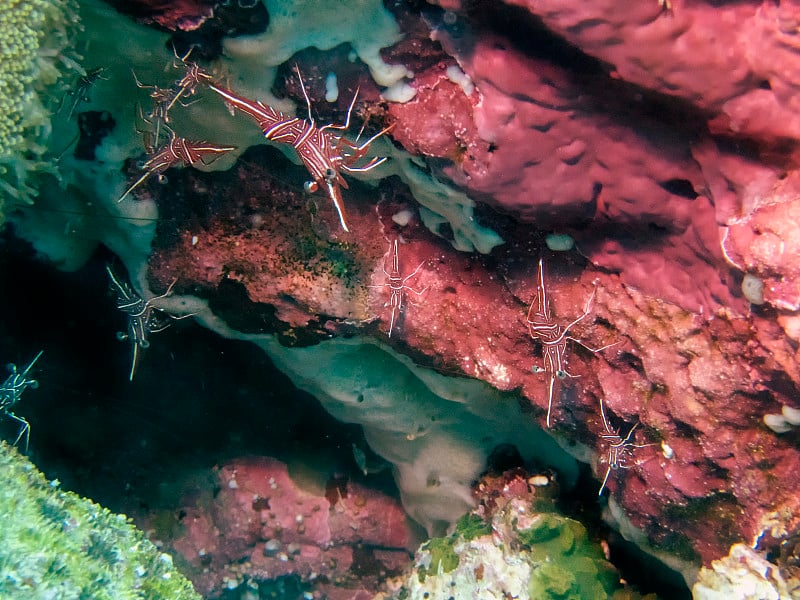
[323, 153]
[553, 337]
[177, 151]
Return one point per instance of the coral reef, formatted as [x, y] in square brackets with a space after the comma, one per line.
[55, 544]
[631, 171]
[38, 56]
[515, 545]
[667, 364]
[764, 243]
[743, 574]
[250, 524]
[186, 15]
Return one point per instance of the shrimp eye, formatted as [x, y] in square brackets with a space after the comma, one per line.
[330, 174]
[311, 186]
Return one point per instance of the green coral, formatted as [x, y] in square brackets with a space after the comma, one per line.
[55, 544]
[35, 38]
[525, 550]
[471, 526]
[443, 557]
[567, 564]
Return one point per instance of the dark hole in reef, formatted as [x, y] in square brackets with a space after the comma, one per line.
[602, 321]
[260, 504]
[446, 231]
[684, 429]
[679, 187]
[230, 19]
[640, 570]
[783, 551]
[283, 587]
[656, 228]
[233, 304]
[780, 384]
[633, 361]
[504, 457]
[365, 564]
[93, 125]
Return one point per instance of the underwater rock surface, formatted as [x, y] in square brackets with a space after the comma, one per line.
[585, 235]
[515, 544]
[250, 523]
[743, 574]
[687, 363]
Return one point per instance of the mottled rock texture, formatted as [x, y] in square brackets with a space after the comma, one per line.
[250, 521]
[662, 139]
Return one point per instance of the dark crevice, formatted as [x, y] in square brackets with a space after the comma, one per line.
[653, 114]
[641, 571]
[197, 399]
[679, 187]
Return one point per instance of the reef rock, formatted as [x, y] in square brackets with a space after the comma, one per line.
[252, 525]
[743, 574]
[586, 221]
[513, 545]
[566, 139]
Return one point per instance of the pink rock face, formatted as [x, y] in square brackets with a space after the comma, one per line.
[532, 142]
[440, 120]
[172, 15]
[738, 61]
[662, 140]
[261, 525]
[766, 243]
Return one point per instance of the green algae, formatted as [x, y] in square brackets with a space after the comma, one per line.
[55, 544]
[524, 550]
[471, 526]
[443, 556]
